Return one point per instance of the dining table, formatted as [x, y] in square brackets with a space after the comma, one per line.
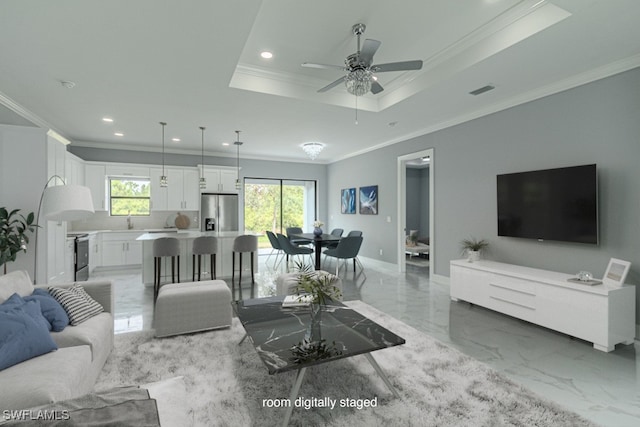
[318, 242]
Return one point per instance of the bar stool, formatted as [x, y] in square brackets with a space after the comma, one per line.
[164, 247]
[241, 244]
[204, 245]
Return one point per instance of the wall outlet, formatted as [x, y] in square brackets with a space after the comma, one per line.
[380, 252]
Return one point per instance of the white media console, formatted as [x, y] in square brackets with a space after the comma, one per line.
[599, 314]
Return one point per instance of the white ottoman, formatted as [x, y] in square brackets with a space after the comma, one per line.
[286, 283]
[192, 307]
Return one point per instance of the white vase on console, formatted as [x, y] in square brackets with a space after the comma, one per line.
[473, 256]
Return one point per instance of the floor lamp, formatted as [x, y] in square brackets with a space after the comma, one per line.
[61, 203]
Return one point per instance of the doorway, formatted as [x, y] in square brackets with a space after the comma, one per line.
[427, 160]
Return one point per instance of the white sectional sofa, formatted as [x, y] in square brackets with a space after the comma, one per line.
[70, 371]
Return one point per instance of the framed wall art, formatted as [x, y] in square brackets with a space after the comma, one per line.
[616, 272]
[348, 200]
[369, 200]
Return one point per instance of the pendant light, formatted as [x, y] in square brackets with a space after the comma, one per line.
[203, 180]
[238, 144]
[163, 179]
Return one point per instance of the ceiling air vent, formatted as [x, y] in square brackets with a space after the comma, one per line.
[483, 89]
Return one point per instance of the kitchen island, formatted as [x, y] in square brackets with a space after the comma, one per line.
[186, 237]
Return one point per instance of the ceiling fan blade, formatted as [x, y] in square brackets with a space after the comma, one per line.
[376, 87]
[369, 48]
[332, 85]
[324, 66]
[397, 66]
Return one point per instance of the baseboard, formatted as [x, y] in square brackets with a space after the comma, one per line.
[438, 278]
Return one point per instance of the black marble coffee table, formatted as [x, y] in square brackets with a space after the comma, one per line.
[292, 339]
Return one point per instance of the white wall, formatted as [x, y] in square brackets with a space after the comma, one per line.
[23, 174]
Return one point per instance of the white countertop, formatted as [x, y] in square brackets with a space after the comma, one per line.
[189, 234]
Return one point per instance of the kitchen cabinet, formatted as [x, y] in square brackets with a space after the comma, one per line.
[220, 180]
[183, 191]
[126, 169]
[56, 231]
[95, 251]
[74, 169]
[95, 177]
[70, 260]
[159, 195]
[121, 248]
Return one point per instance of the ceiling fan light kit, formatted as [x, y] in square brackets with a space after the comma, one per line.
[360, 78]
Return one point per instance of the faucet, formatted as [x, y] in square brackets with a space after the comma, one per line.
[129, 222]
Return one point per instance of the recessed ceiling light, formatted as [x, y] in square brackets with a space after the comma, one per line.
[266, 54]
[107, 119]
[67, 84]
[226, 144]
[119, 134]
[175, 139]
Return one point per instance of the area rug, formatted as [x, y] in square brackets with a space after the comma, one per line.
[227, 384]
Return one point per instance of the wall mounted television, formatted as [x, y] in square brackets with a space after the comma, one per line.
[553, 204]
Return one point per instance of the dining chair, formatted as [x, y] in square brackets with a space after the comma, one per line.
[295, 240]
[354, 233]
[348, 248]
[337, 232]
[241, 244]
[275, 248]
[290, 250]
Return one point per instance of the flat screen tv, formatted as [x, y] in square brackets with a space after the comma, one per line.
[553, 204]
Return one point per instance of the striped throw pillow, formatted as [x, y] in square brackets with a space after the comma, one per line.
[77, 303]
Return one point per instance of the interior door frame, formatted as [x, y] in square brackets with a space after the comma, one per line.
[402, 207]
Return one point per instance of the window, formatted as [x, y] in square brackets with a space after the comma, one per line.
[129, 196]
[275, 204]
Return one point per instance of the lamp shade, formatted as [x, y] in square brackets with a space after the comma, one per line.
[67, 202]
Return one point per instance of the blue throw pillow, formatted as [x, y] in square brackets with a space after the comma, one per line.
[51, 309]
[21, 338]
[32, 308]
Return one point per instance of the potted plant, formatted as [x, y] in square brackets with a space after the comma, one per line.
[13, 234]
[472, 248]
[318, 285]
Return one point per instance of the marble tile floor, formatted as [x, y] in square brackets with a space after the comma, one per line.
[603, 387]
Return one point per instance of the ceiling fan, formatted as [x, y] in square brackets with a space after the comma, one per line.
[360, 77]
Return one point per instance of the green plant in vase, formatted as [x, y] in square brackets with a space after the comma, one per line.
[14, 229]
[318, 285]
[472, 248]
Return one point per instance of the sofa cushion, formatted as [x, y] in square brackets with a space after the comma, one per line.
[16, 282]
[33, 309]
[22, 337]
[62, 374]
[77, 303]
[51, 309]
[96, 332]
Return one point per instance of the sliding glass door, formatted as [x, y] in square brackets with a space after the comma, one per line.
[275, 204]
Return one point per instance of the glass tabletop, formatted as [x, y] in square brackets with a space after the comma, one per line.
[291, 338]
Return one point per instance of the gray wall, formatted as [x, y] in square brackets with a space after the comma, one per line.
[417, 186]
[595, 123]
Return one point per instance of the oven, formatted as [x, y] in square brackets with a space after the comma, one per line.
[81, 264]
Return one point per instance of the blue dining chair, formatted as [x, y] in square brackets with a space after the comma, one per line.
[348, 248]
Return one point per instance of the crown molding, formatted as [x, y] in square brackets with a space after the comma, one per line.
[574, 81]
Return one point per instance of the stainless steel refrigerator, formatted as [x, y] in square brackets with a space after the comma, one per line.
[219, 212]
